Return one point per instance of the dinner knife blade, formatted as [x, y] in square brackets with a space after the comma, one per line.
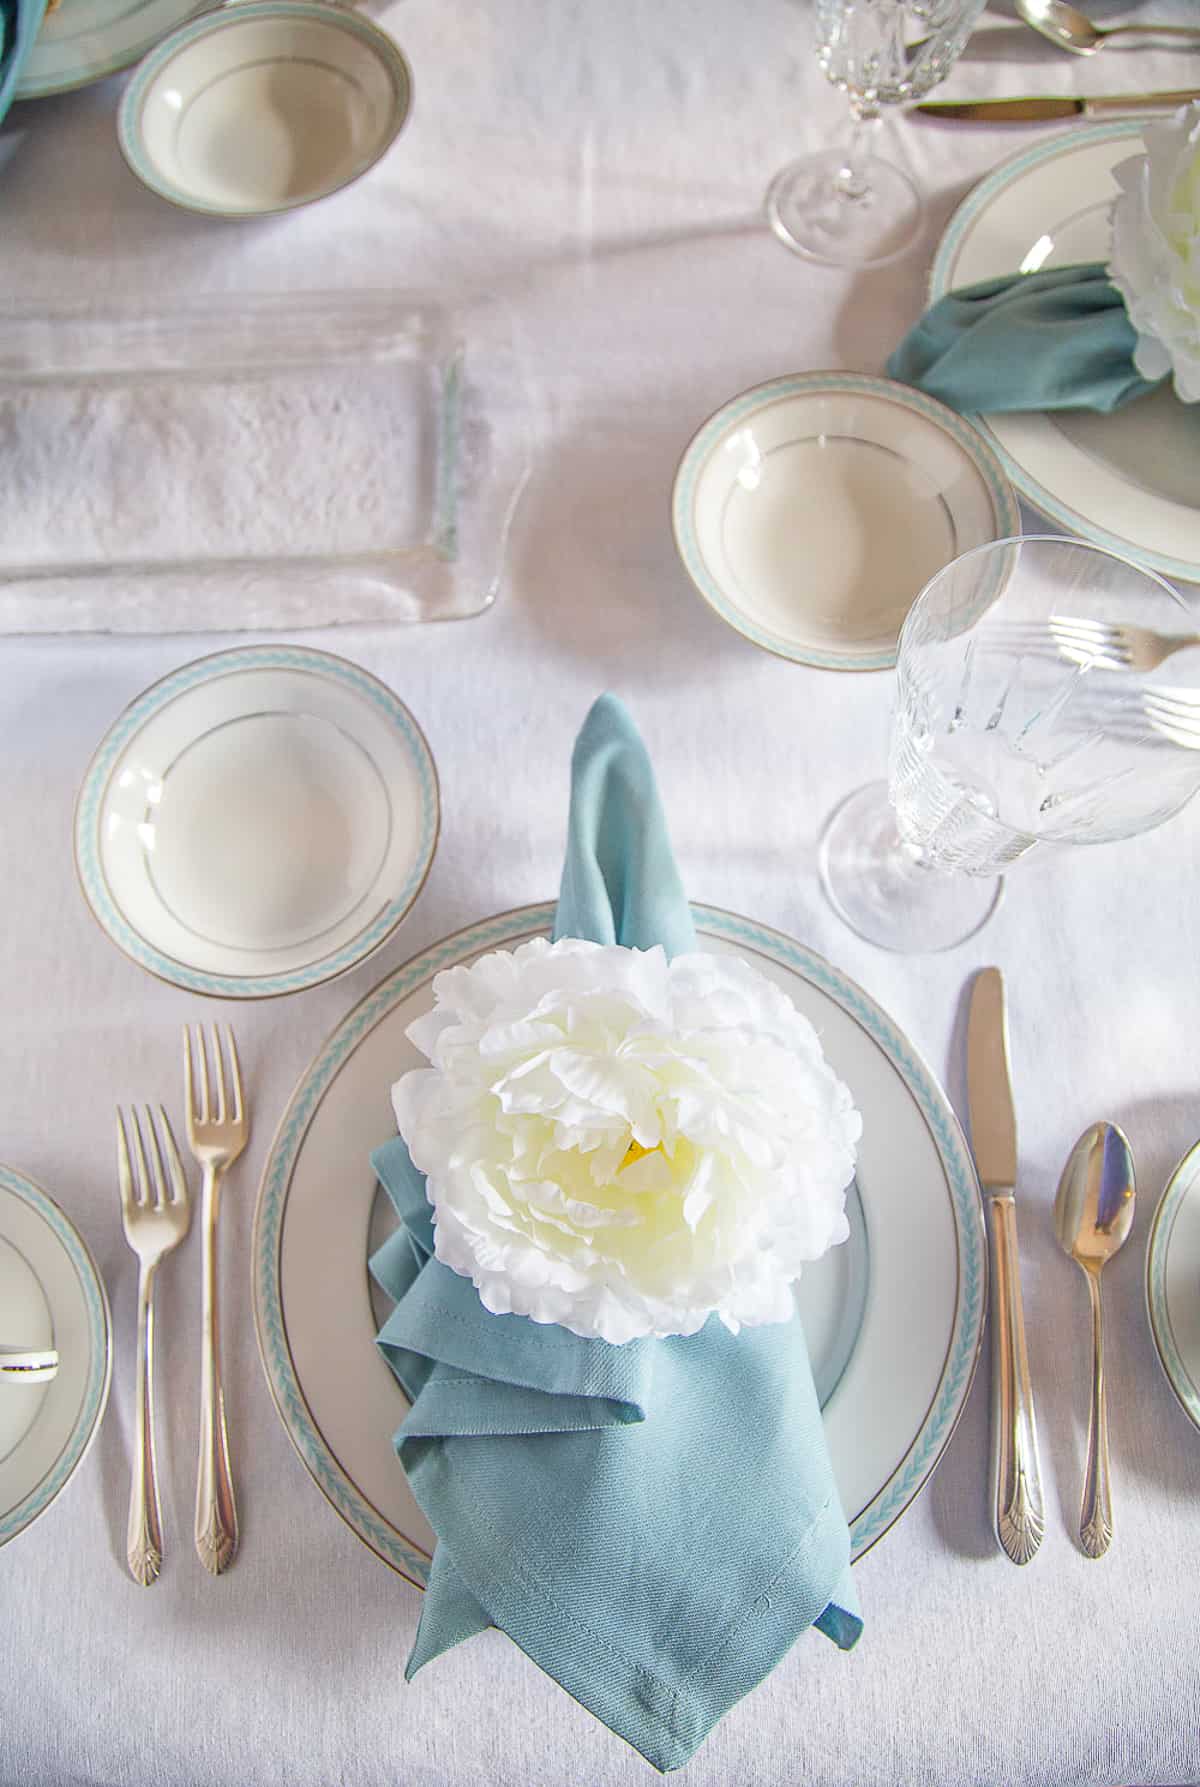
[1018, 1508]
[989, 1084]
[1035, 108]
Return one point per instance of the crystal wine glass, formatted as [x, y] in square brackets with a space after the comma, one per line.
[1003, 739]
[849, 206]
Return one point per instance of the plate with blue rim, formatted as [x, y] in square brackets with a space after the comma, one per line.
[811, 511]
[257, 822]
[1173, 1282]
[1127, 481]
[893, 1318]
[82, 41]
[51, 1296]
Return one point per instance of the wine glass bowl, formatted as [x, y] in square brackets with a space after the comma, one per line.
[1002, 741]
[847, 205]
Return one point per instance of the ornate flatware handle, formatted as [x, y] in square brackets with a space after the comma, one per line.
[143, 1535]
[1095, 1514]
[216, 1510]
[1019, 1508]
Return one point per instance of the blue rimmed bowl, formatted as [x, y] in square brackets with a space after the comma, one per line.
[811, 511]
[262, 106]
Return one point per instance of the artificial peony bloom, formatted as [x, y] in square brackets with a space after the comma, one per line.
[626, 1145]
[1156, 250]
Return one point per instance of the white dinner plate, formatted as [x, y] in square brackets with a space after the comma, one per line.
[84, 40]
[811, 511]
[51, 1295]
[1129, 481]
[258, 821]
[893, 1318]
[1173, 1282]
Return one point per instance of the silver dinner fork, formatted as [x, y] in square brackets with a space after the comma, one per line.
[155, 1212]
[217, 1130]
[1112, 646]
[1175, 713]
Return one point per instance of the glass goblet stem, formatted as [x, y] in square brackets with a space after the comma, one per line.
[852, 181]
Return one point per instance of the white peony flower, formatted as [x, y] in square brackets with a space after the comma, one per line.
[1156, 250]
[623, 1144]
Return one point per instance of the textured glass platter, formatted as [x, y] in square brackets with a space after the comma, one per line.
[282, 462]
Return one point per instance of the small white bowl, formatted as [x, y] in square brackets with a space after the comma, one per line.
[257, 822]
[263, 105]
[811, 511]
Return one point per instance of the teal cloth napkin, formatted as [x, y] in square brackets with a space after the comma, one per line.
[655, 1523]
[1055, 340]
[20, 22]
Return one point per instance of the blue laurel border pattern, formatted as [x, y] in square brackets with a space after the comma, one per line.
[982, 455]
[91, 797]
[935, 1431]
[941, 278]
[1178, 1375]
[99, 1362]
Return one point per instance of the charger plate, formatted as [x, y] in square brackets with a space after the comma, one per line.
[1172, 1275]
[893, 1318]
[50, 1294]
[1129, 481]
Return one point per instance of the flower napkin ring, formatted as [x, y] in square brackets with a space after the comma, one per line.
[1155, 262]
[624, 1144]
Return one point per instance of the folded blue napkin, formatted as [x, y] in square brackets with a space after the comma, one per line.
[655, 1523]
[1055, 340]
[20, 22]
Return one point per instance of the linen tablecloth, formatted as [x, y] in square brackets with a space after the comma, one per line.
[600, 169]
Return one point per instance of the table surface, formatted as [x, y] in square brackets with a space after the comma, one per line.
[601, 171]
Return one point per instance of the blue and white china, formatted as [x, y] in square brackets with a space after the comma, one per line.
[257, 822]
[810, 512]
[264, 105]
[51, 1295]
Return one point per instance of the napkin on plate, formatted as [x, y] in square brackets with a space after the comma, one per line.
[1054, 340]
[20, 22]
[654, 1523]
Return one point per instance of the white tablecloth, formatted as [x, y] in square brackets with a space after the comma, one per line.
[600, 168]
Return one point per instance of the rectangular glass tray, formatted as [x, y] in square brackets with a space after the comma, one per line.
[281, 462]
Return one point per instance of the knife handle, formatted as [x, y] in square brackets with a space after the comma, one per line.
[1117, 105]
[1017, 1479]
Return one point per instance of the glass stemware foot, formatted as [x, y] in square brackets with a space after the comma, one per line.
[889, 891]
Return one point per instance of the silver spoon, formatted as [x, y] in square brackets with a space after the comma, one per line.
[1093, 1214]
[1072, 30]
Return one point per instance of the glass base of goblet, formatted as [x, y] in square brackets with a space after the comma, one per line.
[883, 889]
[818, 211]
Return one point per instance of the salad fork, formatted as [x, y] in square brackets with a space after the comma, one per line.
[155, 1212]
[1110, 646]
[217, 1130]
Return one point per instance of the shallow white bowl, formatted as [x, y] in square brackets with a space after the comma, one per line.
[257, 822]
[810, 512]
[263, 106]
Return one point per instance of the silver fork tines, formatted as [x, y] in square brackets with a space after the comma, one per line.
[217, 1130]
[155, 1212]
[1108, 645]
[1175, 714]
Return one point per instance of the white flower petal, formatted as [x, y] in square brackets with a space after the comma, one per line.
[626, 1145]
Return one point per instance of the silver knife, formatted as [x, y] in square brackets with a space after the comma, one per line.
[1035, 108]
[1019, 1509]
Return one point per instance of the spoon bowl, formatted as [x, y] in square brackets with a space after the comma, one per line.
[1072, 30]
[1093, 1214]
